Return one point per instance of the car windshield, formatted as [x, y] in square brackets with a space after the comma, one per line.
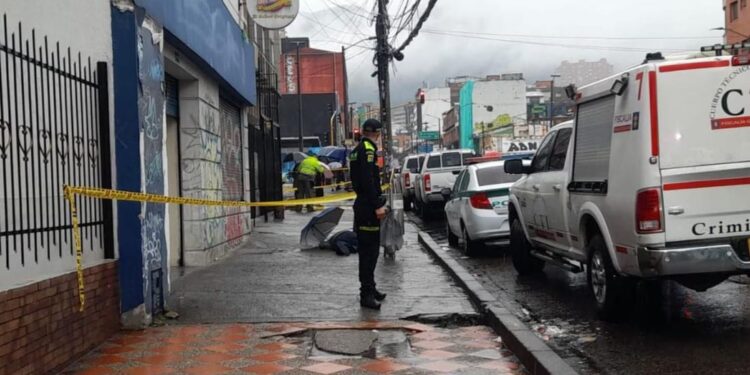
[451, 159]
[494, 176]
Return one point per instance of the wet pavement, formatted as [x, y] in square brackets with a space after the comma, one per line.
[272, 308]
[287, 349]
[691, 333]
[272, 280]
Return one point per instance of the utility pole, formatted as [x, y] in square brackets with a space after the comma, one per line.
[419, 115]
[552, 102]
[384, 57]
[299, 101]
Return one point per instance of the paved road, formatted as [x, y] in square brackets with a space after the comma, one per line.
[695, 333]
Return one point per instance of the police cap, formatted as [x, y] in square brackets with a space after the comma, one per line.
[372, 125]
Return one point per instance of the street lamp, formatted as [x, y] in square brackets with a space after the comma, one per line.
[745, 37]
[552, 101]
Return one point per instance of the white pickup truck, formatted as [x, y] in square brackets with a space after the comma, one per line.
[439, 171]
[650, 182]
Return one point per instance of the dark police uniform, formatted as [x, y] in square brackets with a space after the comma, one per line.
[366, 183]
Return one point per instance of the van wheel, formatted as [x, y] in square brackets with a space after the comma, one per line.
[469, 247]
[608, 287]
[452, 238]
[520, 250]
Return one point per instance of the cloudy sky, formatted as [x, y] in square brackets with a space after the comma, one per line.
[480, 37]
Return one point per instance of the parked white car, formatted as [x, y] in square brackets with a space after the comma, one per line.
[477, 211]
[438, 172]
[410, 168]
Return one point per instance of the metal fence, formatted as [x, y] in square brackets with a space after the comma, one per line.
[54, 130]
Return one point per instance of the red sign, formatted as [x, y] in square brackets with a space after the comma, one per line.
[730, 123]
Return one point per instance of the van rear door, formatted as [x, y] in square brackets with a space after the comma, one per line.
[704, 149]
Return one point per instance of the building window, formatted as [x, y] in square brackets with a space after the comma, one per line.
[734, 11]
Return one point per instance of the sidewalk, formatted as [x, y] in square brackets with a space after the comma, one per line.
[267, 308]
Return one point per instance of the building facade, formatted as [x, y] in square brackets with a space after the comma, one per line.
[491, 108]
[147, 96]
[736, 21]
[582, 72]
[323, 85]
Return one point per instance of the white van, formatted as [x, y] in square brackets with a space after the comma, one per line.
[652, 180]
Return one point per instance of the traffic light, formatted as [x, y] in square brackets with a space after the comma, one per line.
[421, 97]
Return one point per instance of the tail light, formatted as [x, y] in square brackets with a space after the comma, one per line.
[741, 60]
[407, 180]
[480, 201]
[648, 213]
[427, 182]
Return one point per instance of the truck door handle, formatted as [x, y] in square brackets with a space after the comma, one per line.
[557, 187]
[676, 210]
[536, 187]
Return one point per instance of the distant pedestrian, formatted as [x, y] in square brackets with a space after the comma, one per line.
[369, 209]
[307, 172]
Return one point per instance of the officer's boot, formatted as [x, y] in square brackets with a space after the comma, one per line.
[368, 300]
[379, 296]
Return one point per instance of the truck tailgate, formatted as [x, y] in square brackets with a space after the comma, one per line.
[707, 202]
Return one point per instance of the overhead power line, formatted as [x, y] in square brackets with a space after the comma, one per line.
[585, 37]
[550, 44]
[421, 22]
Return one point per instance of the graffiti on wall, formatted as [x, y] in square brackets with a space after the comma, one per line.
[151, 116]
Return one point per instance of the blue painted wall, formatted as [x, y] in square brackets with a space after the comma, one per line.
[151, 104]
[208, 30]
[127, 155]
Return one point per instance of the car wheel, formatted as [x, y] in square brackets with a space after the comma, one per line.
[469, 246]
[608, 287]
[407, 204]
[424, 211]
[520, 250]
[452, 238]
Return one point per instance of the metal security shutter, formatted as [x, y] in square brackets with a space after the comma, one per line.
[172, 88]
[593, 140]
[231, 151]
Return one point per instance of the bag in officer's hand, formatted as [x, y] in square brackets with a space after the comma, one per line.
[392, 231]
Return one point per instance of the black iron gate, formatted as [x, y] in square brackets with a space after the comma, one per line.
[266, 141]
[54, 131]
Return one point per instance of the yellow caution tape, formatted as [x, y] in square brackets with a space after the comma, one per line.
[70, 196]
[291, 190]
[70, 193]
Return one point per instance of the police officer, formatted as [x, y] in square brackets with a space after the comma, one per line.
[369, 209]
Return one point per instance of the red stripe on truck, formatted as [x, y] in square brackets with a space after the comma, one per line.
[707, 184]
[623, 128]
[654, 114]
[694, 65]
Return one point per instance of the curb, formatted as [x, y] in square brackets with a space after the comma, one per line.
[533, 352]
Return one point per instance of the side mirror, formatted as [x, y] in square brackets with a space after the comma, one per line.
[514, 166]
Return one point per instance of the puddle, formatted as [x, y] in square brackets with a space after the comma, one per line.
[340, 344]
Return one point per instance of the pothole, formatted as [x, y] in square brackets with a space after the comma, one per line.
[336, 344]
[448, 320]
